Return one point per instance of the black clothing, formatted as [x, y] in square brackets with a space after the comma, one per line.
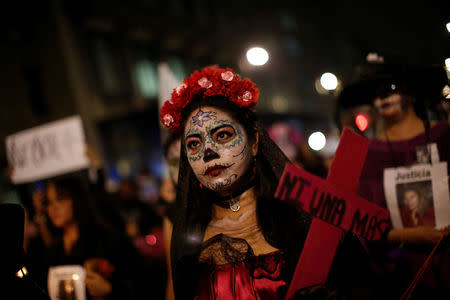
[13, 258]
[96, 242]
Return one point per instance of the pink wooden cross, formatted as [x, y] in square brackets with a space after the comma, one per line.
[334, 206]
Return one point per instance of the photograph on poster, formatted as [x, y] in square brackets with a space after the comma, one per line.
[423, 154]
[415, 202]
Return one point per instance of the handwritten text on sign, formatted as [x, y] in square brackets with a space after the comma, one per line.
[48, 150]
[331, 204]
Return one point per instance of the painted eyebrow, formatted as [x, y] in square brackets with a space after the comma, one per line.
[219, 124]
[193, 133]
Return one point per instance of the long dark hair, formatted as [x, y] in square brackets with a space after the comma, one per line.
[282, 226]
[85, 213]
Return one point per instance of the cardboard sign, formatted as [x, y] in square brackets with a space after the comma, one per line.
[420, 190]
[333, 205]
[331, 200]
[48, 150]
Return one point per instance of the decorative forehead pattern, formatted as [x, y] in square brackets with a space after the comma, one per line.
[203, 116]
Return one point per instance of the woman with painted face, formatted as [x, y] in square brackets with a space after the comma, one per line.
[402, 95]
[231, 238]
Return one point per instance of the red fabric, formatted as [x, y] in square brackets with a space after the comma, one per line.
[426, 220]
[258, 278]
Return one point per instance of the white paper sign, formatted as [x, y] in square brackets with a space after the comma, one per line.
[67, 283]
[418, 195]
[51, 149]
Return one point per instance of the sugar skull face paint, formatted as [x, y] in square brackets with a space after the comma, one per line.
[202, 117]
[217, 148]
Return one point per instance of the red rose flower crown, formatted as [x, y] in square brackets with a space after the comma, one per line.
[211, 81]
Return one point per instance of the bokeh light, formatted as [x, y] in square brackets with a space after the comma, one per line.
[362, 121]
[257, 56]
[22, 272]
[319, 87]
[447, 63]
[329, 81]
[151, 239]
[317, 141]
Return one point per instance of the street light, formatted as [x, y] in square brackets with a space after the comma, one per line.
[329, 81]
[257, 56]
[317, 141]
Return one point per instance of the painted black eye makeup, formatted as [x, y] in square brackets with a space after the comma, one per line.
[193, 144]
[223, 134]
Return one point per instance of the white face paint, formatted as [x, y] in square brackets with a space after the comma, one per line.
[217, 148]
[390, 106]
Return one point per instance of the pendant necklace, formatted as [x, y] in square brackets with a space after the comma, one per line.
[233, 201]
[234, 205]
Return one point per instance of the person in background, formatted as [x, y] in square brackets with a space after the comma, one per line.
[130, 210]
[401, 95]
[71, 230]
[168, 195]
[112, 264]
[137, 216]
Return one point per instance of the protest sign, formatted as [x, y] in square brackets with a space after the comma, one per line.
[334, 207]
[48, 150]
